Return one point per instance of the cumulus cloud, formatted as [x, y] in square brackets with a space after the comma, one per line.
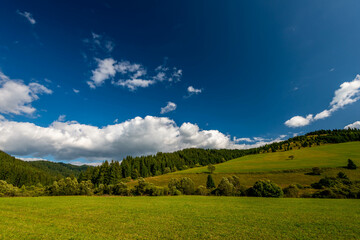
[349, 92]
[133, 75]
[104, 71]
[168, 108]
[76, 90]
[28, 16]
[299, 121]
[353, 125]
[16, 97]
[139, 136]
[193, 90]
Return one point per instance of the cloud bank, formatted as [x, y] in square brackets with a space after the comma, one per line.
[349, 92]
[16, 97]
[138, 136]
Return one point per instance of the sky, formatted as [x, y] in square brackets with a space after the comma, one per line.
[86, 81]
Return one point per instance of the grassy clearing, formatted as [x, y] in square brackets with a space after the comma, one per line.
[331, 155]
[183, 217]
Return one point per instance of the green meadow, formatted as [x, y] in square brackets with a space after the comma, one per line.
[277, 166]
[183, 217]
[330, 155]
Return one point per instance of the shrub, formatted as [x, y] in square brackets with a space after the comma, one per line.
[167, 170]
[201, 190]
[225, 187]
[121, 189]
[185, 185]
[316, 171]
[351, 164]
[342, 175]
[292, 191]
[265, 188]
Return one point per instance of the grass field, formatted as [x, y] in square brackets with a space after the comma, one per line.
[331, 155]
[274, 166]
[283, 179]
[183, 217]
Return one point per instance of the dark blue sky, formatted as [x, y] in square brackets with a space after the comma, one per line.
[257, 63]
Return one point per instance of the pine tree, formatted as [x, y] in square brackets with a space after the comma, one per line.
[210, 182]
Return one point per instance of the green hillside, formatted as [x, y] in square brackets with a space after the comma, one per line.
[331, 155]
[277, 166]
[18, 172]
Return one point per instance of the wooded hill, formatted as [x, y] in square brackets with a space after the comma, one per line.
[18, 172]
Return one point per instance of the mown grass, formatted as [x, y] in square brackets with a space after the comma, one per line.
[331, 155]
[183, 217]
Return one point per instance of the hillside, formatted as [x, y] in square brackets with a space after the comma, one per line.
[331, 155]
[277, 166]
[164, 163]
[18, 172]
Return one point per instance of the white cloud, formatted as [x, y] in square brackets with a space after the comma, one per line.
[61, 118]
[28, 16]
[16, 97]
[76, 90]
[349, 92]
[353, 125]
[139, 136]
[299, 121]
[193, 90]
[235, 139]
[323, 114]
[104, 71]
[30, 159]
[134, 75]
[133, 84]
[168, 108]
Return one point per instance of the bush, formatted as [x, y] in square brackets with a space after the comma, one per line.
[316, 171]
[185, 185]
[292, 191]
[225, 187]
[121, 189]
[351, 164]
[265, 188]
[201, 190]
[8, 190]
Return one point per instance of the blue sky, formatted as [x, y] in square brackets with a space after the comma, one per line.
[218, 70]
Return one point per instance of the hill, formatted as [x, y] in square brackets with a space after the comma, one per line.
[277, 166]
[18, 172]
